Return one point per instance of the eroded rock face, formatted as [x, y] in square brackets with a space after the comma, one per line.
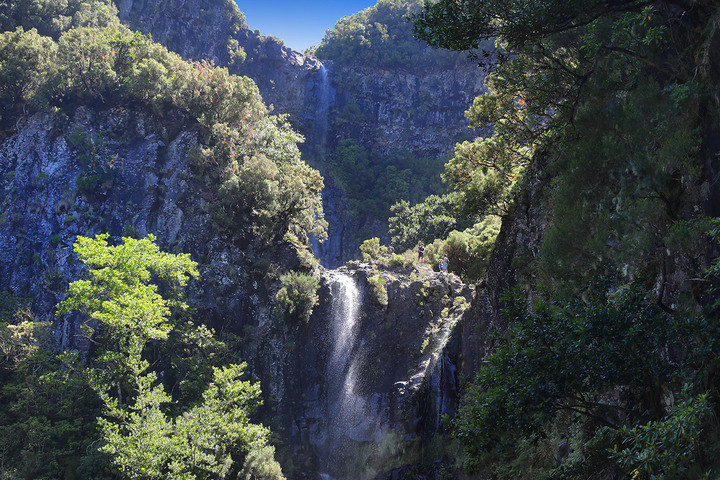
[421, 112]
[403, 359]
[398, 378]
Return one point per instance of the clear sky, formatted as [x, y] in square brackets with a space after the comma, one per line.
[299, 23]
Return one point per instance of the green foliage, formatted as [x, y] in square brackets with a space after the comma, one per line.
[298, 295]
[260, 464]
[435, 217]
[199, 444]
[371, 249]
[24, 56]
[598, 360]
[377, 288]
[47, 409]
[465, 24]
[468, 251]
[622, 189]
[53, 17]
[381, 36]
[119, 291]
[668, 448]
[374, 181]
[207, 440]
[591, 86]
[235, 52]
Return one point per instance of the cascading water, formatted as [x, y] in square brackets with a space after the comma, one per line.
[324, 98]
[344, 406]
[324, 94]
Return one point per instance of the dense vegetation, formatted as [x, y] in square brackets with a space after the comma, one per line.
[265, 189]
[374, 182]
[610, 373]
[109, 415]
[380, 36]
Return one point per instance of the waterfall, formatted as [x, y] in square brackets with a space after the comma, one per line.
[324, 98]
[344, 405]
[324, 94]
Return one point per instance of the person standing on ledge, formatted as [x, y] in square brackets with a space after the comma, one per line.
[421, 251]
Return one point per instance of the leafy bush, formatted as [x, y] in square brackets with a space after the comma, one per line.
[378, 289]
[435, 217]
[260, 464]
[397, 260]
[298, 295]
[53, 17]
[371, 249]
[469, 251]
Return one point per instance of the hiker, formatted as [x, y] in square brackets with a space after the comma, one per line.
[421, 251]
[444, 264]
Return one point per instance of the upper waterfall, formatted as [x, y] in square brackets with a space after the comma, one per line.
[324, 99]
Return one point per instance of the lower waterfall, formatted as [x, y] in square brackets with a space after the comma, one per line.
[344, 406]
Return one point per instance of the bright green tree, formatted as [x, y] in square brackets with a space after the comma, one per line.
[121, 292]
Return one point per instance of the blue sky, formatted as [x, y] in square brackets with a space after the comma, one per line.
[299, 23]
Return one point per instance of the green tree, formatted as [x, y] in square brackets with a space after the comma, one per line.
[298, 295]
[598, 360]
[48, 411]
[121, 292]
[435, 217]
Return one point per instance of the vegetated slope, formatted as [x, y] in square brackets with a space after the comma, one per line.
[106, 131]
[398, 111]
[601, 285]
[396, 122]
[381, 36]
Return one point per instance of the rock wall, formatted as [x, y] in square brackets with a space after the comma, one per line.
[405, 377]
[422, 112]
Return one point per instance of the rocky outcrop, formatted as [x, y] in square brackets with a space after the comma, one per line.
[404, 373]
[399, 380]
[153, 190]
[421, 112]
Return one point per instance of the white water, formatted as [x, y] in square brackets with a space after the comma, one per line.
[324, 98]
[344, 405]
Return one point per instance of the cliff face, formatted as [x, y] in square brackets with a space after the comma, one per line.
[421, 112]
[381, 365]
[153, 191]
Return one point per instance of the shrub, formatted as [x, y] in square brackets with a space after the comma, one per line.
[377, 287]
[371, 249]
[435, 217]
[298, 295]
[260, 464]
[396, 260]
[469, 251]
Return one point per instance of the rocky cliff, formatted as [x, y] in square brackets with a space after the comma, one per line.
[421, 112]
[382, 335]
